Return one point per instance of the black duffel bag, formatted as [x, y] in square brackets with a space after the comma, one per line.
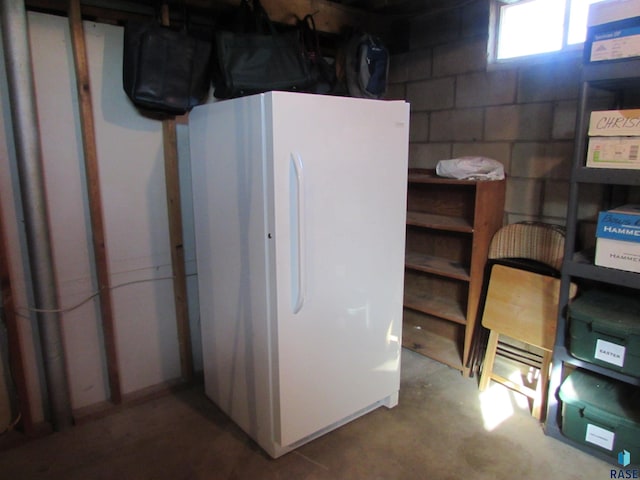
[255, 57]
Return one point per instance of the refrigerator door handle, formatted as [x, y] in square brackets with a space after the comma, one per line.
[298, 242]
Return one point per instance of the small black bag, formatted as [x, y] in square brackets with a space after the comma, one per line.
[249, 62]
[164, 69]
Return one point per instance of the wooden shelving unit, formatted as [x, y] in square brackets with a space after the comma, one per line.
[450, 224]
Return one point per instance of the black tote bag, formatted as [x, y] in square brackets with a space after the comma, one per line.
[258, 61]
[165, 69]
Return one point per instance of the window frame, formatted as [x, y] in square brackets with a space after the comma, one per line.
[567, 52]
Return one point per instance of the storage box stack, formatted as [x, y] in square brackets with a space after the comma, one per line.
[612, 31]
[602, 414]
[618, 238]
[613, 34]
[614, 139]
[604, 329]
[598, 411]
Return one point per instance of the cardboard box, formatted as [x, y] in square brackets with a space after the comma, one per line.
[618, 238]
[604, 329]
[613, 31]
[615, 123]
[612, 11]
[601, 413]
[614, 152]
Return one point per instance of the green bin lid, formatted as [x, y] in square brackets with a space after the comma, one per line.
[618, 399]
[620, 313]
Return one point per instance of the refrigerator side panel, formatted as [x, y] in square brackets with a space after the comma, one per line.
[340, 173]
[230, 209]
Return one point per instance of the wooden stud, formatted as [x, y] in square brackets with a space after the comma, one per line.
[95, 199]
[174, 210]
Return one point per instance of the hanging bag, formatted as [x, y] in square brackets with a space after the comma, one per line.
[323, 72]
[367, 66]
[257, 58]
[165, 69]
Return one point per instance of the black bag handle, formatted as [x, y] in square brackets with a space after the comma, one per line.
[309, 36]
[310, 42]
[251, 17]
[262, 18]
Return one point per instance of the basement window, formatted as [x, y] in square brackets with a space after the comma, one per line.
[526, 28]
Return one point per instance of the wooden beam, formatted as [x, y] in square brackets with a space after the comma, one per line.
[174, 211]
[95, 198]
[330, 17]
[16, 362]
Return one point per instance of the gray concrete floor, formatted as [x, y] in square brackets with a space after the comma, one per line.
[438, 431]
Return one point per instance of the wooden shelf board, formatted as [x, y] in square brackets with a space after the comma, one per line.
[437, 265]
[432, 345]
[420, 175]
[437, 307]
[439, 222]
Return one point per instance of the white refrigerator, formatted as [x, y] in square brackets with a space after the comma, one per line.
[299, 205]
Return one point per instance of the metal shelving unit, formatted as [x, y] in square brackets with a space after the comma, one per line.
[622, 80]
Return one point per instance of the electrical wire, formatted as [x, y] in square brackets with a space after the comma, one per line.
[12, 425]
[19, 311]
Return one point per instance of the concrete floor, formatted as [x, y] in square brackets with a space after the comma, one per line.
[437, 431]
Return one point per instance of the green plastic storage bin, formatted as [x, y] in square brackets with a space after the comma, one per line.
[601, 413]
[604, 329]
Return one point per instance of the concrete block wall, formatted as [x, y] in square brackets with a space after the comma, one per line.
[523, 116]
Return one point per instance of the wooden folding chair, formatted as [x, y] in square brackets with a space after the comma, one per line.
[522, 303]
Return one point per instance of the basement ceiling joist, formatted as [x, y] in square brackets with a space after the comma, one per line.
[330, 16]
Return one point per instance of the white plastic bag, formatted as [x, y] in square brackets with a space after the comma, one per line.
[471, 168]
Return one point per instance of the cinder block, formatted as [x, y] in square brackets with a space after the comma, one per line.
[434, 29]
[463, 57]
[396, 91]
[524, 196]
[456, 125]
[519, 122]
[548, 82]
[399, 65]
[486, 88]
[431, 94]
[420, 64]
[427, 155]
[516, 218]
[556, 198]
[419, 127]
[475, 19]
[542, 160]
[564, 120]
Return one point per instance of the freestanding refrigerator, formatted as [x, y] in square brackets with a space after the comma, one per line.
[299, 204]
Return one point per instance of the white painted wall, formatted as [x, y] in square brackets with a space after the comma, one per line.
[131, 167]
